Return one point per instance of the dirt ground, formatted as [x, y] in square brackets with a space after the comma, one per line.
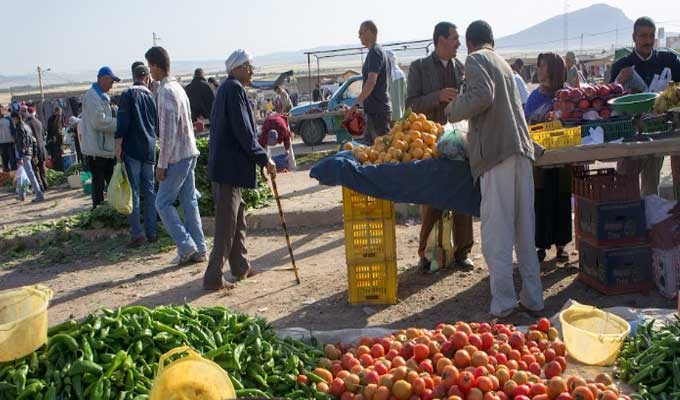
[98, 271]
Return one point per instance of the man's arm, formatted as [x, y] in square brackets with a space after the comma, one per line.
[367, 88]
[102, 120]
[478, 94]
[168, 116]
[122, 122]
[245, 135]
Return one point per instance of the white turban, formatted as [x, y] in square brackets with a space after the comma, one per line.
[397, 73]
[236, 59]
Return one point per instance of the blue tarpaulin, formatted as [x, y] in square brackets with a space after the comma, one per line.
[441, 183]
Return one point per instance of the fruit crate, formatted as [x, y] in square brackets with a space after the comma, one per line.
[666, 271]
[372, 282]
[615, 270]
[605, 184]
[550, 138]
[357, 206]
[611, 224]
[370, 240]
[613, 130]
[655, 123]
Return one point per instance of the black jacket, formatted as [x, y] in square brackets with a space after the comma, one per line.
[648, 68]
[201, 98]
[39, 135]
[23, 140]
[234, 149]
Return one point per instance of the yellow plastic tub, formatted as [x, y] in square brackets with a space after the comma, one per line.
[23, 321]
[592, 336]
[190, 378]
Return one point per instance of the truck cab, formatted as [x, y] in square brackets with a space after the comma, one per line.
[314, 130]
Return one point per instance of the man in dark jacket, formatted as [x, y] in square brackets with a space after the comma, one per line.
[234, 152]
[433, 81]
[24, 144]
[38, 163]
[200, 95]
[136, 131]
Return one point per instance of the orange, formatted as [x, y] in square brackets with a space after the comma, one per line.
[382, 393]
[405, 126]
[418, 143]
[412, 117]
[429, 139]
[407, 157]
[417, 125]
[399, 144]
[422, 117]
[402, 390]
[417, 153]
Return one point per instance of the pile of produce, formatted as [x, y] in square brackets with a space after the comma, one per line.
[413, 138]
[254, 198]
[54, 177]
[650, 360]
[669, 98]
[476, 361]
[586, 102]
[115, 355]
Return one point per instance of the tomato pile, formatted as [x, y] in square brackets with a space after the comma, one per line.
[461, 361]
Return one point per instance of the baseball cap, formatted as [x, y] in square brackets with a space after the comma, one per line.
[571, 55]
[106, 71]
[140, 71]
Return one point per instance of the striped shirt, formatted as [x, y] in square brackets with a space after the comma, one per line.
[175, 129]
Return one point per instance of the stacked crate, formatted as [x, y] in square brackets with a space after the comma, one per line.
[370, 248]
[614, 253]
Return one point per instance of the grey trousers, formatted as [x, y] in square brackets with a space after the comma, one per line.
[649, 169]
[230, 235]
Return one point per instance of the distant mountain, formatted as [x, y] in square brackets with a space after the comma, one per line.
[598, 24]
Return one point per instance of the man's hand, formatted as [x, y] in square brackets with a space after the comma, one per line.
[160, 174]
[119, 151]
[447, 95]
[625, 75]
[271, 168]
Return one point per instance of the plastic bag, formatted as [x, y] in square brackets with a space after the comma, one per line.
[452, 144]
[660, 82]
[355, 123]
[439, 248]
[292, 164]
[119, 191]
[21, 178]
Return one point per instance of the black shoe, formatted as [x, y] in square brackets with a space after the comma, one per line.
[534, 313]
[465, 263]
[136, 242]
[562, 255]
[424, 265]
[541, 255]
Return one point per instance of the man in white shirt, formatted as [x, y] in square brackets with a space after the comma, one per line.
[521, 85]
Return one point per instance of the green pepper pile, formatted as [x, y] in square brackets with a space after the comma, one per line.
[114, 355]
[650, 361]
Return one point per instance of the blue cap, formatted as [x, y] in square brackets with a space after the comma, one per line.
[106, 71]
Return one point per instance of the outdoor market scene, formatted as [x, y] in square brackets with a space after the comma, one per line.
[489, 212]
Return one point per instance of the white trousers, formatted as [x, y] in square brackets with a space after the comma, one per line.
[507, 214]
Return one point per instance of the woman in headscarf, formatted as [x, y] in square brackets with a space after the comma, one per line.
[55, 139]
[397, 87]
[552, 198]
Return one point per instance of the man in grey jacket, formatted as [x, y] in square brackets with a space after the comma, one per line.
[433, 82]
[501, 155]
[98, 129]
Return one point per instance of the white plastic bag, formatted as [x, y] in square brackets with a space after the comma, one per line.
[660, 82]
[292, 164]
[656, 209]
[21, 178]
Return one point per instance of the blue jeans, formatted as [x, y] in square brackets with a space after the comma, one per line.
[141, 177]
[31, 176]
[180, 182]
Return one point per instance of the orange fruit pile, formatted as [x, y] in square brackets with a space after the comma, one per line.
[413, 138]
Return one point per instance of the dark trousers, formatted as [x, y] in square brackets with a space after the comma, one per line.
[230, 234]
[376, 125]
[552, 206]
[39, 169]
[463, 237]
[101, 169]
[9, 161]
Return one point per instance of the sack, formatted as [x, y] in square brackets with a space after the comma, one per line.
[452, 144]
[439, 248]
[119, 191]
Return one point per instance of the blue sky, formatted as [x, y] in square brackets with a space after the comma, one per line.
[77, 35]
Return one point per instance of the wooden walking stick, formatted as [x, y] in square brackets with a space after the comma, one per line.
[285, 229]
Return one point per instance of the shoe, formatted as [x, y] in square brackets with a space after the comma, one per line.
[198, 257]
[562, 254]
[183, 259]
[224, 285]
[38, 200]
[21, 198]
[465, 263]
[533, 313]
[541, 255]
[250, 273]
[136, 242]
[423, 265]
[504, 313]
[152, 239]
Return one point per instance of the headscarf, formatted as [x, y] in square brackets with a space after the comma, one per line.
[236, 59]
[396, 73]
[556, 70]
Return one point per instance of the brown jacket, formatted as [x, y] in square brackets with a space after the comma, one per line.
[491, 103]
[424, 84]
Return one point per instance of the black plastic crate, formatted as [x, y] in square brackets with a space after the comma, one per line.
[611, 224]
[619, 268]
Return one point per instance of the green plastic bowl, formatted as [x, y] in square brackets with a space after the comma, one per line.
[634, 103]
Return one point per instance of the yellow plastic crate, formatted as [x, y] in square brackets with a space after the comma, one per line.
[555, 138]
[370, 240]
[372, 283]
[360, 206]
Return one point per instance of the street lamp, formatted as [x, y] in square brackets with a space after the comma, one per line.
[40, 71]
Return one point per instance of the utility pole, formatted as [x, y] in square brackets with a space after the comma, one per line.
[581, 49]
[156, 38]
[40, 83]
[566, 26]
